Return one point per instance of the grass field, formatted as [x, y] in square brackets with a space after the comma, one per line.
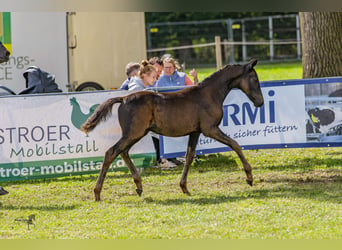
[297, 195]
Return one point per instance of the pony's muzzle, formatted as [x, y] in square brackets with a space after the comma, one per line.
[259, 103]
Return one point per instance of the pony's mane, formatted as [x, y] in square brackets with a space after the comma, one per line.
[218, 73]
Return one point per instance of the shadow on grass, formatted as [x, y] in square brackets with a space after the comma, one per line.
[305, 164]
[320, 188]
[309, 192]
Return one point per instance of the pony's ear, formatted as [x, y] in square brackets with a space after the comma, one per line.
[249, 66]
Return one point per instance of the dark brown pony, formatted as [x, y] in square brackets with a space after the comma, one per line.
[190, 111]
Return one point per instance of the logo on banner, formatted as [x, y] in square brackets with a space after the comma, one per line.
[78, 117]
[235, 114]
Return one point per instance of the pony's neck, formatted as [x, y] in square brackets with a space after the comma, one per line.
[224, 80]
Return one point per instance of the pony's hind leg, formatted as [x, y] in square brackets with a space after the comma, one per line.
[218, 135]
[190, 154]
[135, 174]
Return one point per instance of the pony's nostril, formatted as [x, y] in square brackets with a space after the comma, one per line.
[8, 53]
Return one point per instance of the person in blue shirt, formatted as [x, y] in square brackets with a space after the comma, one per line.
[171, 77]
[132, 69]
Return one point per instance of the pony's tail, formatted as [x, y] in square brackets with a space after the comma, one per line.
[100, 114]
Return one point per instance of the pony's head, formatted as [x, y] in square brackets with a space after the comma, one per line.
[248, 82]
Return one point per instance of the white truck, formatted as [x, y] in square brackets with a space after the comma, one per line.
[84, 50]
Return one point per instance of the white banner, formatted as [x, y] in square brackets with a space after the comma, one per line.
[44, 131]
[281, 122]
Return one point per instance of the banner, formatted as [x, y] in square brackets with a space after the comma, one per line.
[296, 113]
[40, 136]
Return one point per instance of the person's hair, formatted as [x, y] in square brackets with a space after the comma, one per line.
[146, 68]
[171, 60]
[156, 60]
[131, 67]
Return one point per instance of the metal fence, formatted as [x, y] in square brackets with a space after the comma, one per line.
[270, 38]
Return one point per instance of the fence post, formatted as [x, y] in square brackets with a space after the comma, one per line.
[149, 41]
[231, 39]
[299, 50]
[244, 47]
[218, 52]
[270, 30]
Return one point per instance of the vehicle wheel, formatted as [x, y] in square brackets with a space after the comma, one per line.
[89, 86]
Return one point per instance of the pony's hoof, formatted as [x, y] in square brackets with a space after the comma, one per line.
[250, 182]
[97, 196]
[185, 191]
[139, 191]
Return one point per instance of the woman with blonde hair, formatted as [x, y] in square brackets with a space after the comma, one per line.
[146, 77]
[171, 77]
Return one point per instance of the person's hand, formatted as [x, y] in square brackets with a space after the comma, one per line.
[193, 73]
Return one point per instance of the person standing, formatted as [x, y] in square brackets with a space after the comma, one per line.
[171, 77]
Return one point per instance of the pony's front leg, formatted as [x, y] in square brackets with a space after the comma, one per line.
[218, 135]
[190, 154]
[110, 156]
[134, 172]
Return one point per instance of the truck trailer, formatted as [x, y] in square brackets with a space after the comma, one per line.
[84, 50]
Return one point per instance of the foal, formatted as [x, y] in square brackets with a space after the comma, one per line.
[190, 111]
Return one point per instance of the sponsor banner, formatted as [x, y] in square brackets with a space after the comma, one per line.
[40, 136]
[296, 113]
[66, 167]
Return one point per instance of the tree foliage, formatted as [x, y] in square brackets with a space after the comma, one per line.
[157, 17]
[163, 33]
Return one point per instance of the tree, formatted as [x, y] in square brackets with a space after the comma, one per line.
[322, 43]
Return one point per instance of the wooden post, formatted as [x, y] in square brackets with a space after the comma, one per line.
[218, 52]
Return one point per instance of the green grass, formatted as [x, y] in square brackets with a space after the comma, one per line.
[297, 194]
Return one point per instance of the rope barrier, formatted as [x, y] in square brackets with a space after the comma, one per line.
[225, 43]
